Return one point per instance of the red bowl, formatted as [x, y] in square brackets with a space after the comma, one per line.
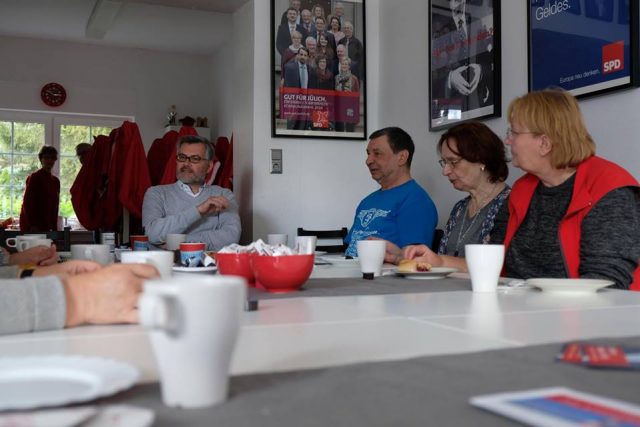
[280, 274]
[236, 265]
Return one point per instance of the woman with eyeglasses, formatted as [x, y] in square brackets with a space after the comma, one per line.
[573, 214]
[473, 160]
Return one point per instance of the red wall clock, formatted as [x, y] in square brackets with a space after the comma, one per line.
[53, 94]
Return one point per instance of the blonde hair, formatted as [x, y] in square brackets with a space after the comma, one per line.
[556, 114]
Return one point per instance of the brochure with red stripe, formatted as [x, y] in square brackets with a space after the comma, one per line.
[560, 407]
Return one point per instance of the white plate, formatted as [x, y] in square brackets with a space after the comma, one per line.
[434, 273]
[569, 285]
[340, 260]
[182, 269]
[34, 382]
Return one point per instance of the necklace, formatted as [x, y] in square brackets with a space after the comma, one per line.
[462, 235]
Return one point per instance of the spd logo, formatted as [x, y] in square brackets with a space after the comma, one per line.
[320, 119]
[613, 57]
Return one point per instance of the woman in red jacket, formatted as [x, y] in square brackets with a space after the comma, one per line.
[573, 214]
[41, 195]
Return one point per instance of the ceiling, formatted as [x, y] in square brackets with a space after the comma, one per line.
[187, 26]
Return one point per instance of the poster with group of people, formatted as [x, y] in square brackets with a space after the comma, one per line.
[318, 68]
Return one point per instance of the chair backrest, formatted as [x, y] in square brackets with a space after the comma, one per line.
[339, 234]
[61, 238]
[437, 236]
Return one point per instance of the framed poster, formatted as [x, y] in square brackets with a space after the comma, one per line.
[318, 69]
[586, 47]
[464, 69]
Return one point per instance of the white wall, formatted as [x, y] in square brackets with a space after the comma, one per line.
[244, 131]
[104, 80]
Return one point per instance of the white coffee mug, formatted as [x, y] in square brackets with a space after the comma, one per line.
[277, 239]
[23, 245]
[193, 324]
[173, 241]
[371, 255]
[13, 242]
[484, 263]
[306, 244]
[97, 253]
[161, 260]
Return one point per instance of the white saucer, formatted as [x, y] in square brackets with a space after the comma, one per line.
[34, 382]
[572, 286]
[434, 273]
[181, 269]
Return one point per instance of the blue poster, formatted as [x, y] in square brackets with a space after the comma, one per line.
[583, 46]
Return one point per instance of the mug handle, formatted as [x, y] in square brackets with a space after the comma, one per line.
[11, 242]
[22, 246]
[156, 314]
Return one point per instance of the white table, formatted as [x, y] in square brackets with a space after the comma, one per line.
[300, 333]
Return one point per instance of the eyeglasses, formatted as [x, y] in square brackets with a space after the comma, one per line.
[452, 163]
[513, 133]
[191, 159]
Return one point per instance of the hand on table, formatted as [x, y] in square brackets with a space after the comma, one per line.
[38, 255]
[393, 253]
[106, 295]
[69, 268]
[213, 205]
[422, 253]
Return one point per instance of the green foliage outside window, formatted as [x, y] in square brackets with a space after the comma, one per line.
[19, 146]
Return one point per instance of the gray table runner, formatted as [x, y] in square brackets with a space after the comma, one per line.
[427, 391]
[384, 285]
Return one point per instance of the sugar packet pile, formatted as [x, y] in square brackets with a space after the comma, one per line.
[258, 247]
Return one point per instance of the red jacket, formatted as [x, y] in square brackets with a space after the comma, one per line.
[90, 186]
[40, 203]
[595, 177]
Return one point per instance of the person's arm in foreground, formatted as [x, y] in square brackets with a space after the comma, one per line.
[104, 295]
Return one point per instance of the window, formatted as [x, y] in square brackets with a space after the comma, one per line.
[22, 134]
[20, 143]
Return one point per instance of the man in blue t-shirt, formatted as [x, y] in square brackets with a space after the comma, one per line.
[400, 211]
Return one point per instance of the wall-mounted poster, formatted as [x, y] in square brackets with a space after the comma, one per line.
[464, 68]
[318, 68]
[584, 46]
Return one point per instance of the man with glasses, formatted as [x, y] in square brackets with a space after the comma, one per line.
[205, 213]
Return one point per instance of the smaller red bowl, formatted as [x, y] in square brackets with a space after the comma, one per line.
[236, 265]
[280, 274]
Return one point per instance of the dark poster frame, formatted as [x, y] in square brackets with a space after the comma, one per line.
[315, 112]
[464, 61]
[590, 33]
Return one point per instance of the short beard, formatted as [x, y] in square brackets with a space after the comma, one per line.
[197, 179]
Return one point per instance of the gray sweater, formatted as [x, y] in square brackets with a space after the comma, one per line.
[32, 304]
[609, 245]
[168, 209]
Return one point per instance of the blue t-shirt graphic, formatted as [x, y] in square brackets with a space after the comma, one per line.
[403, 215]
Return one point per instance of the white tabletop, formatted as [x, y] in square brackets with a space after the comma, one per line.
[300, 333]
